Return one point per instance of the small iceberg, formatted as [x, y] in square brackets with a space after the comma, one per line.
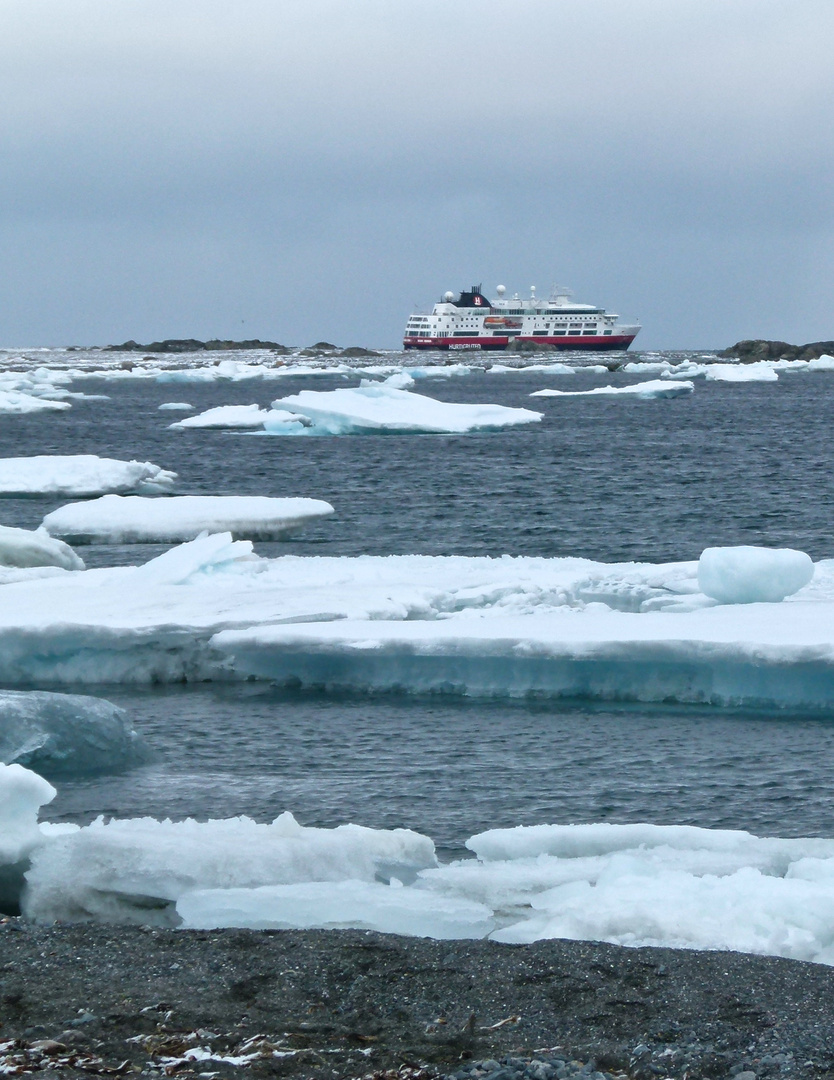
[81, 476]
[132, 519]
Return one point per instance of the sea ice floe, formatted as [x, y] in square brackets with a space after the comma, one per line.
[650, 389]
[175, 406]
[22, 793]
[749, 575]
[381, 408]
[80, 475]
[132, 519]
[510, 627]
[225, 417]
[66, 734]
[24, 548]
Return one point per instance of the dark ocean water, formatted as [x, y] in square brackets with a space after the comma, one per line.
[608, 478]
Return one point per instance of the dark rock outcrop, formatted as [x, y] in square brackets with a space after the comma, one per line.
[186, 345]
[748, 352]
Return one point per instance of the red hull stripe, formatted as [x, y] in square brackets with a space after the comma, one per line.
[594, 344]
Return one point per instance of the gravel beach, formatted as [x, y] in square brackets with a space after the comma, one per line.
[80, 1000]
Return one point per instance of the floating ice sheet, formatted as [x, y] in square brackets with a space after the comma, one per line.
[381, 408]
[116, 519]
[651, 389]
[80, 475]
[227, 417]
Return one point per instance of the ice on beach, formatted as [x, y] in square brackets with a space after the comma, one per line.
[651, 389]
[344, 905]
[175, 406]
[380, 408]
[634, 885]
[749, 575]
[24, 548]
[132, 519]
[227, 417]
[66, 734]
[81, 476]
[135, 870]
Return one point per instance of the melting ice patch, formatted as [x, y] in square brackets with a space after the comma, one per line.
[117, 519]
[382, 408]
[80, 475]
[651, 389]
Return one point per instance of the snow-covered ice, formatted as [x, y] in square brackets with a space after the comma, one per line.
[24, 548]
[66, 734]
[749, 575]
[653, 388]
[380, 408]
[22, 793]
[478, 626]
[81, 476]
[132, 519]
[225, 416]
[175, 406]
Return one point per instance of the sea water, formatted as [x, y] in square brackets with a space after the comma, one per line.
[603, 477]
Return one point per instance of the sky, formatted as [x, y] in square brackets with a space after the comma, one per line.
[299, 170]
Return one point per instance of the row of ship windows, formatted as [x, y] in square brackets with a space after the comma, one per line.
[514, 333]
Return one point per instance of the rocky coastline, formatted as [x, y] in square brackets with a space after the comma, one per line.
[81, 1000]
[750, 351]
[192, 345]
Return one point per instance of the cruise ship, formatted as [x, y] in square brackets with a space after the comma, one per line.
[473, 322]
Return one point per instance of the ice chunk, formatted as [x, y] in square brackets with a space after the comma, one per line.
[344, 905]
[80, 475]
[136, 870]
[380, 408]
[131, 519]
[749, 575]
[761, 371]
[22, 793]
[196, 559]
[13, 401]
[20, 547]
[66, 734]
[653, 388]
[175, 406]
[225, 417]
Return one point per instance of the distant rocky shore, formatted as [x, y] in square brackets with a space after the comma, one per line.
[77, 1000]
[190, 345]
[748, 352]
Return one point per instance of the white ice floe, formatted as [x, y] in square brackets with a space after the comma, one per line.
[225, 416]
[524, 369]
[136, 870]
[478, 626]
[66, 734]
[175, 406]
[22, 548]
[132, 519]
[380, 408]
[749, 575]
[650, 389]
[13, 401]
[80, 475]
[634, 885]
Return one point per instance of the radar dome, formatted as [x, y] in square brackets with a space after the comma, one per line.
[500, 289]
[448, 297]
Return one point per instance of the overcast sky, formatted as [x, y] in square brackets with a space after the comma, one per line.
[306, 169]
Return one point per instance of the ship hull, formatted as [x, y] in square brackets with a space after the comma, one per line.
[499, 344]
